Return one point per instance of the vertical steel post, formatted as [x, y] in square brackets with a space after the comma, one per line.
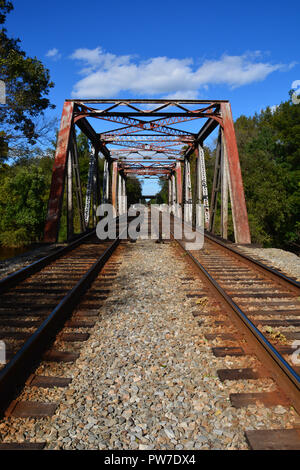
[198, 190]
[70, 212]
[120, 195]
[178, 183]
[78, 189]
[170, 192]
[184, 198]
[106, 182]
[114, 187]
[91, 189]
[95, 188]
[124, 195]
[188, 201]
[238, 203]
[224, 189]
[58, 174]
[216, 185]
[203, 184]
[173, 193]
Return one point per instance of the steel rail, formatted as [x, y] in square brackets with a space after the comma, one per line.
[290, 376]
[274, 272]
[15, 373]
[13, 279]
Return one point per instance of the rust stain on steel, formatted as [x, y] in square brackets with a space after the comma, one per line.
[178, 183]
[238, 204]
[114, 185]
[58, 174]
[152, 171]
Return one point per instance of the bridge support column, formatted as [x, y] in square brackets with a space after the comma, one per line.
[178, 188]
[238, 203]
[125, 195]
[96, 187]
[201, 188]
[77, 179]
[106, 182]
[58, 174]
[224, 189]
[120, 207]
[170, 192]
[114, 187]
[187, 199]
[121, 195]
[70, 212]
[216, 184]
[93, 190]
[173, 202]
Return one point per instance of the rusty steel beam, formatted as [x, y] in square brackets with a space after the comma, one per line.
[91, 134]
[114, 186]
[125, 118]
[144, 101]
[58, 174]
[147, 147]
[178, 183]
[156, 142]
[140, 171]
[238, 203]
[209, 126]
[170, 139]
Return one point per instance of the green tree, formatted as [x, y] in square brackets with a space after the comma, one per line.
[133, 190]
[27, 85]
[23, 203]
[269, 148]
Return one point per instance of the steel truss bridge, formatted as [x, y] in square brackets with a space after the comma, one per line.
[144, 139]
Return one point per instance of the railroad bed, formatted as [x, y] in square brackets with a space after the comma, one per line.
[149, 358]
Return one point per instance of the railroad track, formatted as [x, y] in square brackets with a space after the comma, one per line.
[36, 303]
[263, 304]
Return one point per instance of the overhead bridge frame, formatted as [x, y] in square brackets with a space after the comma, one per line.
[147, 143]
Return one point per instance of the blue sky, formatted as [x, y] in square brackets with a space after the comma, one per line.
[245, 52]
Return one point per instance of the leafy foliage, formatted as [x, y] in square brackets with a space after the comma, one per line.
[27, 84]
[5, 7]
[133, 190]
[269, 148]
[22, 205]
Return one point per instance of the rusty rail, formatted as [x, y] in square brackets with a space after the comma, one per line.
[15, 373]
[287, 377]
[18, 276]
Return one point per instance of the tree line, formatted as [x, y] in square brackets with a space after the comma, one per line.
[24, 193]
[268, 143]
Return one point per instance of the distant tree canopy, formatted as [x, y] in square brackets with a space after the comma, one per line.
[269, 148]
[133, 190]
[27, 84]
[23, 205]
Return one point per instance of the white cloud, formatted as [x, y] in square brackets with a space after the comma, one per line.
[107, 75]
[53, 54]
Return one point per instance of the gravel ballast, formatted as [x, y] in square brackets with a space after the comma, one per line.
[286, 261]
[146, 378]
